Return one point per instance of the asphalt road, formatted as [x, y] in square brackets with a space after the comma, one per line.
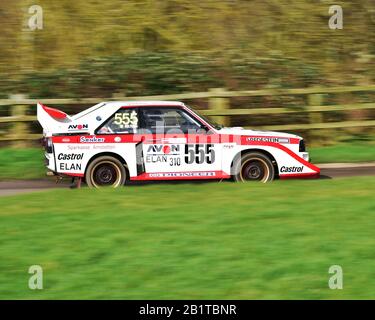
[328, 171]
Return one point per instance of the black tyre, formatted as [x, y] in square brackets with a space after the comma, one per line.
[105, 171]
[253, 166]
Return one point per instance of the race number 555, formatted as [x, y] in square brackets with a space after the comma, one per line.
[126, 120]
[199, 153]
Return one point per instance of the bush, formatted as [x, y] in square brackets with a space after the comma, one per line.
[153, 73]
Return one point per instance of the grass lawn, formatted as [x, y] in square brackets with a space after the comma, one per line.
[355, 152]
[29, 163]
[192, 241]
[22, 163]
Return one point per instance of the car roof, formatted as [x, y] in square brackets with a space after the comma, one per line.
[119, 104]
[146, 103]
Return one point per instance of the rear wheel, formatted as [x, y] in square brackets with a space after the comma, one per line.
[105, 172]
[253, 166]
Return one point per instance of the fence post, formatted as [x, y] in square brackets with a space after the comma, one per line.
[219, 103]
[19, 129]
[316, 99]
[353, 115]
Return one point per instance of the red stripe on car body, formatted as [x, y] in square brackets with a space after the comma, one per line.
[72, 174]
[190, 138]
[194, 175]
[245, 140]
[291, 153]
[300, 175]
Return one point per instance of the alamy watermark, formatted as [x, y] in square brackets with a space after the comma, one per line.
[336, 281]
[35, 21]
[336, 21]
[36, 280]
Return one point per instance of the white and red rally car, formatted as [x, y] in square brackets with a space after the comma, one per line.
[113, 142]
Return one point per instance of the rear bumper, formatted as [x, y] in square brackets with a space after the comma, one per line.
[49, 161]
[61, 175]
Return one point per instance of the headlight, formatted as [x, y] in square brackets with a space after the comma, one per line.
[305, 156]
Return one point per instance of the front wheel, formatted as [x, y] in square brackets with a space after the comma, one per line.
[253, 166]
[105, 172]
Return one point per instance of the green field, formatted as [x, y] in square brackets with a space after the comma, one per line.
[354, 152]
[21, 163]
[192, 241]
[29, 163]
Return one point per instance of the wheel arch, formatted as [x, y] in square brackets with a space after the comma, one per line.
[108, 154]
[262, 151]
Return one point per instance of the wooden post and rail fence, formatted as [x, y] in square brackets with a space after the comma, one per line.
[18, 130]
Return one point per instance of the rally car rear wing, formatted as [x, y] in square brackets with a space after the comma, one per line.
[51, 119]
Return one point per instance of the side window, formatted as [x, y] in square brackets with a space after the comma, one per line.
[124, 120]
[169, 120]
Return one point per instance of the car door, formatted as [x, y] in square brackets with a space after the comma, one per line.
[178, 144]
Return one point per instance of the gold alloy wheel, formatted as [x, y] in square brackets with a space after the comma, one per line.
[255, 169]
[106, 174]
